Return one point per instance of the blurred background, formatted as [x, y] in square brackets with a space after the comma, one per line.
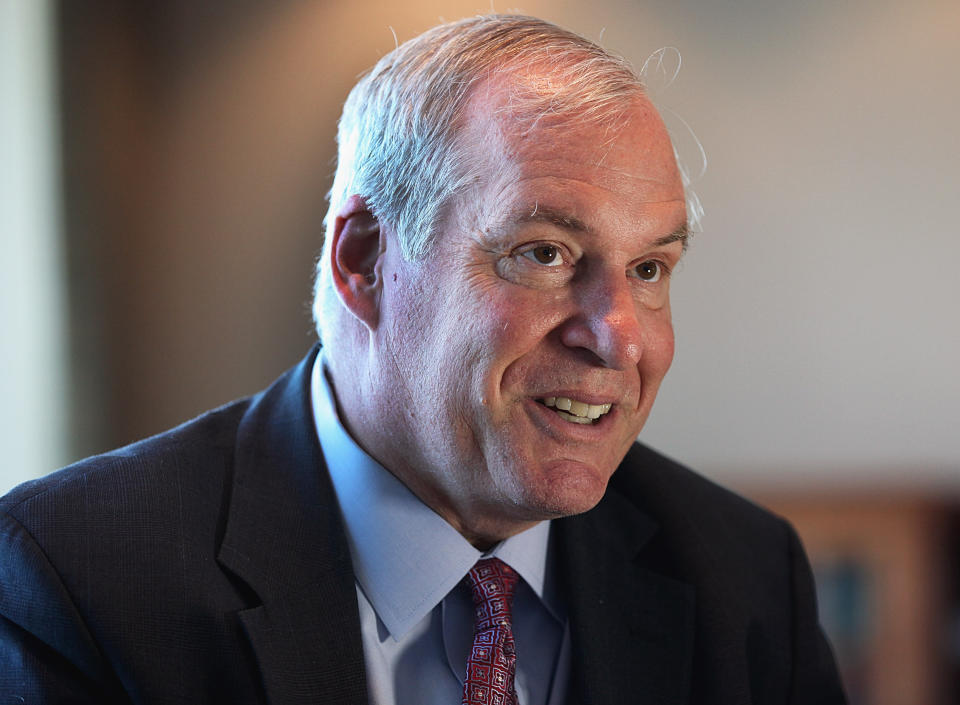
[162, 184]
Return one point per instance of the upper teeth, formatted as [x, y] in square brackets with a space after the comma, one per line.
[577, 410]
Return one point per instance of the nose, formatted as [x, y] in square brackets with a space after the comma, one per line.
[607, 322]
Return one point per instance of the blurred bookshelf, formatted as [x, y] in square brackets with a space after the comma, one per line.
[888, 585]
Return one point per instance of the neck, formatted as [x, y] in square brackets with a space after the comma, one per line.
[483, 526]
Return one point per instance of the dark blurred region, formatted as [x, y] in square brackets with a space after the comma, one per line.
[197, 155]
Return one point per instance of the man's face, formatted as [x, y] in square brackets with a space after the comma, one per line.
[547, 289]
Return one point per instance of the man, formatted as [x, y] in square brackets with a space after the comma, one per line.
[492, 301]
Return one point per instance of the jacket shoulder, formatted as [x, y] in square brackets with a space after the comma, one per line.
[665, 489]
[706, 533]
[150, 467]
[754, 589]
[102, 562]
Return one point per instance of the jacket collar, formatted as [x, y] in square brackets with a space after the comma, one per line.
[632, 629]
[284, 539]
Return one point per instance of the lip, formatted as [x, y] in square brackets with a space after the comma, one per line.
[561, 430]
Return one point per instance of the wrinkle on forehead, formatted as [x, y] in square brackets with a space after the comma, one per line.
[663, 187]
[633, 162]
[633, 148]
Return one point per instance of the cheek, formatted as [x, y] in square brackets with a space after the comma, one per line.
[468, 342]
[505, 317]
[515, 325]
[658, 348]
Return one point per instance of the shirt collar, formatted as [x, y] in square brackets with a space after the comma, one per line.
[406, 558]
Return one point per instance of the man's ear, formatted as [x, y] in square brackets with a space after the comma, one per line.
[355, 254]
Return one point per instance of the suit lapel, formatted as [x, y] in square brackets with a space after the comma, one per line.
[284, 539]
[631, 628]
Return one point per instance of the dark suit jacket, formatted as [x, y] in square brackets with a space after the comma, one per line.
[209, 564]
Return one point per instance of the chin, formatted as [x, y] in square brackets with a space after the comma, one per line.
[565, 488]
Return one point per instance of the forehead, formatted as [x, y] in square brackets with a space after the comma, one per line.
[621, 169]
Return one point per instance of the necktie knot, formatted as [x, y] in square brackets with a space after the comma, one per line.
[492, 582]
[492, 662]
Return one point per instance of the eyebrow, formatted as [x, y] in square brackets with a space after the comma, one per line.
[550, 216]
[560, 219]
[681, 234]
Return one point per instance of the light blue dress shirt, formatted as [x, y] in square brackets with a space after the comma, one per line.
[416, 617]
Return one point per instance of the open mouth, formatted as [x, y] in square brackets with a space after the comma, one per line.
[576, 411]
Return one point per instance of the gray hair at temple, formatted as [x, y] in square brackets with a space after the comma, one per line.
[399, 136]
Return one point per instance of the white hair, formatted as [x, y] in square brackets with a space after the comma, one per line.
[400, 138]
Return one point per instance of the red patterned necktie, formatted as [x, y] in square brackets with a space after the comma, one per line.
[493, 659]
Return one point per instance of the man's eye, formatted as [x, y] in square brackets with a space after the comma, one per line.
[649, 271]
[548, 255]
